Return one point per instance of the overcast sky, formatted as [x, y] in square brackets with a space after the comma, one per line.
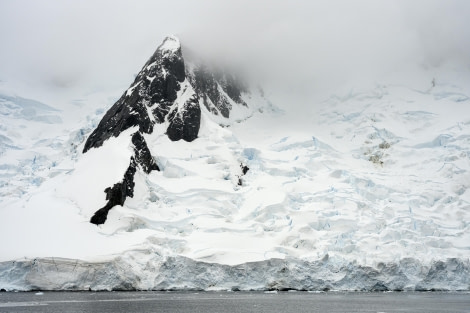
[103, 43]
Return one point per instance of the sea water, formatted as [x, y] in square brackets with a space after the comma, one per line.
[208, 302]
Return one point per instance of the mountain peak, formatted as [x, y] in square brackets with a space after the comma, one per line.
[164, 92]
[171, 44]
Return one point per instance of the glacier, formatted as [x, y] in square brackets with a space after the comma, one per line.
[367, 189]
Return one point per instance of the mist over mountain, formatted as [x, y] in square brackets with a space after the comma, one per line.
[327, 43]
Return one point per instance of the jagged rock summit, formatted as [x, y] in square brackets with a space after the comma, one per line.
[166, 91]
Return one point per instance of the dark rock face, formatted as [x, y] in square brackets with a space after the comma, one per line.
[184, 123]
[142, 154]
[125, 113]
[154, 89]
[216, 89]
[162, 80]
[244, 169]
[155, 97]
[117, 194]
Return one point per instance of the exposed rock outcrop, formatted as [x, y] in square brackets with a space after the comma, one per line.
[184, 123]
[117, 194]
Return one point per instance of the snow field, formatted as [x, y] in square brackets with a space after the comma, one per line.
[369, 193]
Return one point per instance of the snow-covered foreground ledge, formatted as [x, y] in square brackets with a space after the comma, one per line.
[141, 271]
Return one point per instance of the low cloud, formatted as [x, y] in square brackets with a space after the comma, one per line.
[296, 45]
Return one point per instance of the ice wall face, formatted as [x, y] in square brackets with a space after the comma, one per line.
[140, 270]
[164, 92]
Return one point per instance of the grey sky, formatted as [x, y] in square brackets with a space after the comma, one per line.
[102, 43]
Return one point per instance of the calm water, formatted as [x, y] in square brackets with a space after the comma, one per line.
[240, 302]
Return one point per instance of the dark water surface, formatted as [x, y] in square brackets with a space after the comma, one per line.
[239, 302]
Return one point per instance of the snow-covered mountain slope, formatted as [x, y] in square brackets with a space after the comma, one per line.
[366, 190]
[169, 93]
